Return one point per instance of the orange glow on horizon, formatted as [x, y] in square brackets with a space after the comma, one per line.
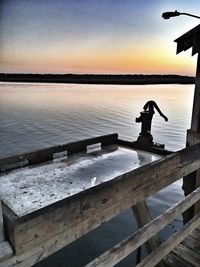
[120, 61]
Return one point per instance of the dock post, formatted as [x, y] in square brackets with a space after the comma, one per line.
[192, 181]
[6, 250]
[143, 216]
[2, 236]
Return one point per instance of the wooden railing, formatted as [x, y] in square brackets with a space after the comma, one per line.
[132, 242]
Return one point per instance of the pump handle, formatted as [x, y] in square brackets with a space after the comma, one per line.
[150, 105]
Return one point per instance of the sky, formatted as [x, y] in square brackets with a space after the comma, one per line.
[95, 36]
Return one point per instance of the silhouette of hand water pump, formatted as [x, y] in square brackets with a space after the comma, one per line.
[145, 137]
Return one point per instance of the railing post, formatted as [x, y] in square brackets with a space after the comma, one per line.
[192, 181]
[2, 236]
[197, 205]
[6, 250]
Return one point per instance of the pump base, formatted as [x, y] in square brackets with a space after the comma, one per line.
[147, 140]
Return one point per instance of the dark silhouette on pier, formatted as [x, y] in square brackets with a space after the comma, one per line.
[145, 118]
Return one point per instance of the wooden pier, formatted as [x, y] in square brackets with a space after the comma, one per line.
[93, 181]
[34, 235]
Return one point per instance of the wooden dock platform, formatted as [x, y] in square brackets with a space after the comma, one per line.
[187, 253]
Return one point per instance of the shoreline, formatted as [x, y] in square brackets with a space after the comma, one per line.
[135, 79]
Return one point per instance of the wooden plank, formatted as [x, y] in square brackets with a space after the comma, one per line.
[14, 165]
[187, 255]
[174, 261]
[46, 154]
[158, 254]
[6, 251]
[196, 234]
[197, 230]
[197, 205]
[143, 216]
[131, 243]
[192, 243]
[2, 237]
[192, 137]
[152, 149]
[189, 176]
[193, 181]
[103, 202]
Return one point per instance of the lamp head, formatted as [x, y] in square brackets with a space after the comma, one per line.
[167, 15]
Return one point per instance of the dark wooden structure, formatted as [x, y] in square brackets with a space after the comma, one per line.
[191, 39]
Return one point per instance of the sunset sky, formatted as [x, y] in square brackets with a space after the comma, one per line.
[94, 36]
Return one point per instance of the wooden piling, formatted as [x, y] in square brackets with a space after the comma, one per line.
[143, 216]
[2, 237]
[191, 40]
[5, 249]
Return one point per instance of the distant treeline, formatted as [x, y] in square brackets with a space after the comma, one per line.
[97, 78]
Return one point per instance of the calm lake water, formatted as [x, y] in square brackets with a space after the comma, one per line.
[40, 115]
[35, 116]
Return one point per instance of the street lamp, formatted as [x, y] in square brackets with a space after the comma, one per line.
[168, 15]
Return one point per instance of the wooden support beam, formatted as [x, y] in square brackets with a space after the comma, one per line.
[2, 237]
[5, 248]
[195, 124]
[193, 136]
[143, 216]
[197, 205]
[157, 255]
[132, 242]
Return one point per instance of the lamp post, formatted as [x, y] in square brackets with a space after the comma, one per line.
[168, 15]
